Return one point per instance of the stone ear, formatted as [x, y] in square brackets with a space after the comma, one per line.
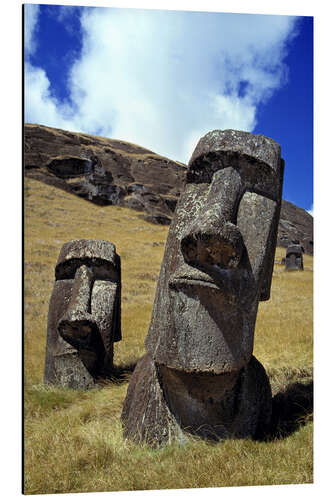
[257, 220]
[268, 266]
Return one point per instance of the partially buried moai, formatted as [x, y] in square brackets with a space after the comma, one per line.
[199, 375]
[294, 257]
[84, 317]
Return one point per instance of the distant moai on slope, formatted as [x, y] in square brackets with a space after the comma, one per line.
[199, 375]
[84, 317]
[294, 257]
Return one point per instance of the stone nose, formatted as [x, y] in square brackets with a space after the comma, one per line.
[221, 246]
[77, 325]
[213, 237]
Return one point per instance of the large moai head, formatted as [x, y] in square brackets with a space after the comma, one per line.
[219, 255]
[84, 314]
[199, 375]
[294, 257]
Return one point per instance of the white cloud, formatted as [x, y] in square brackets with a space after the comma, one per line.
[162, 79]
[31, 13]
[310, 211]
[41, 106]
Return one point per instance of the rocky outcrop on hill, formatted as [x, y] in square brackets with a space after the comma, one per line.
[104, 171]
[108, 171]
[295, 224]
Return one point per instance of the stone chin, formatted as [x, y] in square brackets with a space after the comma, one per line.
[210, 331]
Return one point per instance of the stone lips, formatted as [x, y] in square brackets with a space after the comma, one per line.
[129, 175]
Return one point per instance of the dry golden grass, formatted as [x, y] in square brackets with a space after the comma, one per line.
[284, 328]
[73, 439]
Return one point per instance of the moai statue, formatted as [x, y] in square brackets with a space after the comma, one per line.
[294, 257]
[84, 314]
[199, 375]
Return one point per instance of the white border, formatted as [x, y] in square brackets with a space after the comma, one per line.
[11, 82]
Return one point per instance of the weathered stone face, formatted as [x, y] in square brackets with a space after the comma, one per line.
[219, 255]
[294, 257]
[84, 314]
[199, 374]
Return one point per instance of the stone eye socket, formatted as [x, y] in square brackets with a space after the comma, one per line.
[102, 269]
[256, 175]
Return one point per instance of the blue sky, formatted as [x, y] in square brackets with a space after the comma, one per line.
[162, 79]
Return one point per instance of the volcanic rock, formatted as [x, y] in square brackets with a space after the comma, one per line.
[104, 171]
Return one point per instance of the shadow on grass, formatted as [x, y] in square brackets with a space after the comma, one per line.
[120, 374]
[291, 408]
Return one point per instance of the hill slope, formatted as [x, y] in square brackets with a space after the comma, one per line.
[112, 172]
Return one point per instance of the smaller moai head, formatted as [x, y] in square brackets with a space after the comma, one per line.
[84, 313]
[219, 255]
[294, 257]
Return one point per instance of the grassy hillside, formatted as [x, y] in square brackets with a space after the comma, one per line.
[73, 439]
